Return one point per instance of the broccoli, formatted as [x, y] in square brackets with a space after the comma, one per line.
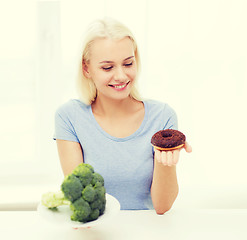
[83, 190]
[72, 187]
[97, 178]
[88, 193]
[84, 173]
[81, 210]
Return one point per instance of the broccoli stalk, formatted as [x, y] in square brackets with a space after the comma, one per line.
[53, 200]
[83, 190]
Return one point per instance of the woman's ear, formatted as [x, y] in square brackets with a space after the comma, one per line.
[85, 69]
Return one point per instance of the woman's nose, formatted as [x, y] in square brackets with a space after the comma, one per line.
[120, 75]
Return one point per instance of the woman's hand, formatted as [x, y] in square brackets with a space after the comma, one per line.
[170, 158]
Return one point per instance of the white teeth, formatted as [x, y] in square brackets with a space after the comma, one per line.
[120, 86]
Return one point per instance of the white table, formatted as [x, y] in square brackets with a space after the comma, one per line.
[177, 224]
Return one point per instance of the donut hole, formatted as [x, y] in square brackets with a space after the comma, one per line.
[166, 134]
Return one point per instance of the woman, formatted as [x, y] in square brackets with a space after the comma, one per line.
[111, 127]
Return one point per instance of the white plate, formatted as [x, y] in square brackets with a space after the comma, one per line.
[62, 215]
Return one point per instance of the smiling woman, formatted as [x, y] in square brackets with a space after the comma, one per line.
[117, 73]
[111, 130]
[38, 65]
[127, 63]
[110, 40]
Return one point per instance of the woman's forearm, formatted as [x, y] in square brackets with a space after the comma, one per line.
[164, 189]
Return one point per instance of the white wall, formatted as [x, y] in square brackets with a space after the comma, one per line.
[198, 64]
[194, 57]
[209, 74]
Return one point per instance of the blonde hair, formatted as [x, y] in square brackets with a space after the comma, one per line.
[105, 28]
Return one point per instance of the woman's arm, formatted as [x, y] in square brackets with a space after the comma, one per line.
[164, 189]
[70, 155]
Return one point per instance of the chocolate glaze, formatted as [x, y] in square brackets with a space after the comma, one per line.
[168, 138]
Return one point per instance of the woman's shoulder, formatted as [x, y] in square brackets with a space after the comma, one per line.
[162, 114]
[71, 106]
[158, 106]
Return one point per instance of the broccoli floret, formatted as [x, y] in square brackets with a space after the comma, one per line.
[84, 173]
[100, 191]
[83, 190]
[97, 178]
[71, 187]
[88, 193]
[100, 198]
[81, 210]
[96, 204]
[93, 215]
[88, 166]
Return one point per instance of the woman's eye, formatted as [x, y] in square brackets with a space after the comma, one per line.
[107, 68]
[128, 64]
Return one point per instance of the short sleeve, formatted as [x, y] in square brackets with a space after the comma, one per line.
[64, 127]
[172, 121]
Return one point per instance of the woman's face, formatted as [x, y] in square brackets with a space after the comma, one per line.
[112, 67]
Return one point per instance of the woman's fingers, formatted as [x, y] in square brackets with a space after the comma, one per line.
[164, 157]
[187, 147]
[169, 155]
[170, 158]
[157, 155]
[176, 154]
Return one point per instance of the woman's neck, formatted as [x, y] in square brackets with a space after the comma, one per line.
[113, 108]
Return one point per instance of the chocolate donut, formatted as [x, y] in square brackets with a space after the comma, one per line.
[168, 139]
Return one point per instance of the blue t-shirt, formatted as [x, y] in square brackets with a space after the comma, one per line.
[125, 163]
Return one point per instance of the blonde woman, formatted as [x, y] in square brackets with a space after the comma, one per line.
[110, 127]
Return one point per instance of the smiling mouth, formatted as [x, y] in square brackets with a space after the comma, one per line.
[118, 86]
